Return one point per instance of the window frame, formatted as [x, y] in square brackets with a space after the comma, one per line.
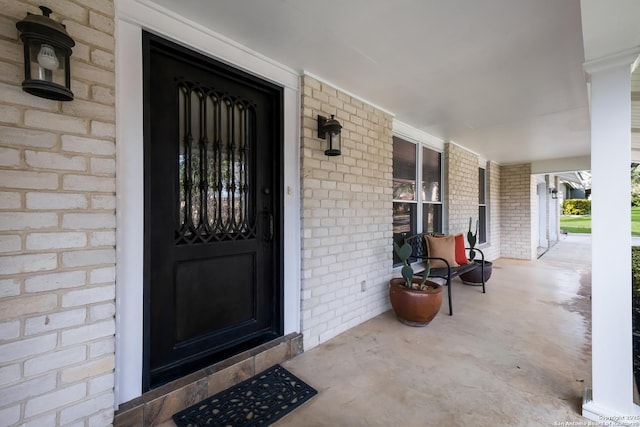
[483, 220]
[419, 201]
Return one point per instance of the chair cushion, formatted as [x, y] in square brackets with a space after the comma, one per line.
[441, 247]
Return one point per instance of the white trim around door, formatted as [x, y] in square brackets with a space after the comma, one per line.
[132, 16]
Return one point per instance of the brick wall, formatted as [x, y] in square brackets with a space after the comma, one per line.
[519, 216]
[346, 214]
[461, 189]
[492, 249]
[461, 196]
[57, 227]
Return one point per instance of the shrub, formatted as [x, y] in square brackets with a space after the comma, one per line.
[635, 202]
[576, 207]
[635, 271]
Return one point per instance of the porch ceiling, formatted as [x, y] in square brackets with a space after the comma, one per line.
[503, 78]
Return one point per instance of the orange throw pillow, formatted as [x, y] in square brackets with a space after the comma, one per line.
[441, 247]
[461, 252]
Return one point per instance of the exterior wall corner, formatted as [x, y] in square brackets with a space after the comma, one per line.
[518, 212]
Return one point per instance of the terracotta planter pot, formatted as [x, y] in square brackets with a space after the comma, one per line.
[474, 277]
[415, 307]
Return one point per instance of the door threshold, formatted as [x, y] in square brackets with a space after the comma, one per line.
[158, 405]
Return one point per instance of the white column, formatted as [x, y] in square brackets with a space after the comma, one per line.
[130, 213]
[548, 202]
[556, 206]
[612, 369]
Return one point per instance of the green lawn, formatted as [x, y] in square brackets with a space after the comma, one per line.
[575, 223]
[582, 223]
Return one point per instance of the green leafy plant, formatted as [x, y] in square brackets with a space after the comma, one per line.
[635, 272]
[472, 239]
[404, 252]
[576, 207]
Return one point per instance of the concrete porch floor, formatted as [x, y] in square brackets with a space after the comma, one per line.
[519, 355]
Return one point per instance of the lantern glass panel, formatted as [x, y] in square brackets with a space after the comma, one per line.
[47, 62]
[334, 140]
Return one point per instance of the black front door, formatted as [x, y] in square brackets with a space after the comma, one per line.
[213, 263]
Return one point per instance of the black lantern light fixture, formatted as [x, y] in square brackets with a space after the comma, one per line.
[47, 52]
[554, 193]
[329, 129]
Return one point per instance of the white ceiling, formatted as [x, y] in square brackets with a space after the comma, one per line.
[503, 78]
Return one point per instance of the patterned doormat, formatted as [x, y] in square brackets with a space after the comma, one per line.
[258, 401]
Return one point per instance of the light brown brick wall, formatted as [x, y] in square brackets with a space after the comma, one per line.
[518, 205]
[492, 248]
[57, 227]
[346, 214]
[461, 194]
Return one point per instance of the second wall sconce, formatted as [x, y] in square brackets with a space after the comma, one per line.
[47, 49]
[554, 193]
[330, 129]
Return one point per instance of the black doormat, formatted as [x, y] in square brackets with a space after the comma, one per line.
[258, 401]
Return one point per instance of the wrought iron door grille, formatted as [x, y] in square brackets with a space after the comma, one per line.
[217, 133]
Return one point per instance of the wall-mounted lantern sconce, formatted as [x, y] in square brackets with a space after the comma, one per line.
[47, 52]
[554, 193]
[329, 129]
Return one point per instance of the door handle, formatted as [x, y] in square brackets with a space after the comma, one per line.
[268, 234]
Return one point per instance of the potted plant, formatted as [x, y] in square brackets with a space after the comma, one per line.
[414, 299]
[474, 277]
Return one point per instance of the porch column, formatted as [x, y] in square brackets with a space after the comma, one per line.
[612, 369]
[548, 206]
[556, 206]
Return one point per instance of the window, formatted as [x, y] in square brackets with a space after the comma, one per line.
[482, 205]
[415, 211]
[431, 191]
